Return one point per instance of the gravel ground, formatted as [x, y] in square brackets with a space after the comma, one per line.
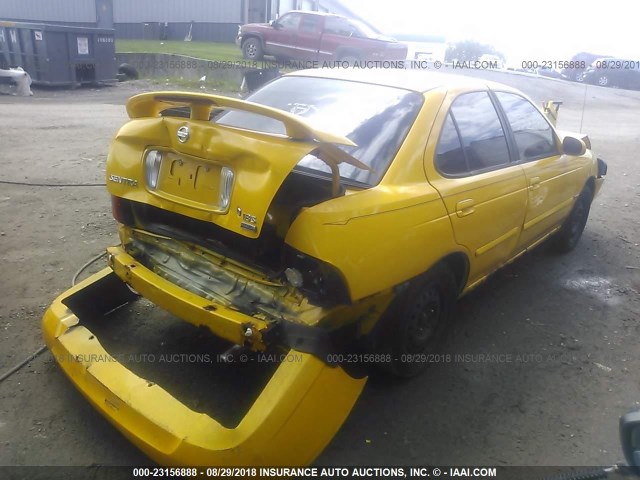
[569, 323]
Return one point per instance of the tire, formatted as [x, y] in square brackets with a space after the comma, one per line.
[571, 231]
[252, 49]
[128, 71]
[603, 81]
[414, 325]
[579, 77]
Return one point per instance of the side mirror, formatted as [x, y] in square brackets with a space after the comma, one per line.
[274, 24]
[573, 146]
[630, 438]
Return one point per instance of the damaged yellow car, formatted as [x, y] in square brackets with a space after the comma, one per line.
[335, 216]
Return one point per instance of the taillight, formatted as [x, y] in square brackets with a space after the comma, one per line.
[226, 183]
[321, 282]
[152, 163]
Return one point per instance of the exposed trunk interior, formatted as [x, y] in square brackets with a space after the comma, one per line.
[298, 191]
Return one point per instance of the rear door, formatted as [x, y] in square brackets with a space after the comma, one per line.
[484, 193]
[553, 180]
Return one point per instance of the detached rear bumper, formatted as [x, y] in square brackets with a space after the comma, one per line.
[292, 420]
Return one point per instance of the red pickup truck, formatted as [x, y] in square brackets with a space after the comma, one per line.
[319, 37]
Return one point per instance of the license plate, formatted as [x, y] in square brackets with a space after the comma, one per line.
[190, 179]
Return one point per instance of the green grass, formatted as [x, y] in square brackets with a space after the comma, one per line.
[204, 50]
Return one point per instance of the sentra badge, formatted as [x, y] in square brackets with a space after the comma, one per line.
[123, 180]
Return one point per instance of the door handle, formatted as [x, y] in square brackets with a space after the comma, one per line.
[465, 207]
[534, 183]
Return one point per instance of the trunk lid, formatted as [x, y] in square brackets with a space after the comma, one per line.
[201, 159]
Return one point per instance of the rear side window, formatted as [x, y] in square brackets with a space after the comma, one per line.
[449, 154]
[533, 134]
[480, 136]
[310, 24]
[338, 26]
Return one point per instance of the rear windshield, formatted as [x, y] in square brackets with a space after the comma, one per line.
[376, 118]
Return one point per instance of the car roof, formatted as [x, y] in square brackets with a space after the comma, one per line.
[417, 80]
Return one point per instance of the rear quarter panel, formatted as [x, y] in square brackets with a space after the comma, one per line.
[383, 236]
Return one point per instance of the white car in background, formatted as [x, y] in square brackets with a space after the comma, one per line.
[19, 78]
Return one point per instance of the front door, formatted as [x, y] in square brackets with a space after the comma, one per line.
[307, 39]
[280, 40]
[554, 180]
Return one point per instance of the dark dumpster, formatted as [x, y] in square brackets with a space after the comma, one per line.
[58, 54]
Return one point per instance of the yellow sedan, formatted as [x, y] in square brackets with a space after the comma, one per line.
[336, 215]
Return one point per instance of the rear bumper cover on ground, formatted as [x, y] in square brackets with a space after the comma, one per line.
[290, 423]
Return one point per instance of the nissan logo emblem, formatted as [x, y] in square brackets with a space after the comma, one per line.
[183, 134]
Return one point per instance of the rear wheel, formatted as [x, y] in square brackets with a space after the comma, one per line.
[252, 49]
[414, 325]
[569, 235]
[603, 81]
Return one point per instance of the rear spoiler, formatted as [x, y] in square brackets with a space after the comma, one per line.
[151, 104]
[201, 105]
[551, 109]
